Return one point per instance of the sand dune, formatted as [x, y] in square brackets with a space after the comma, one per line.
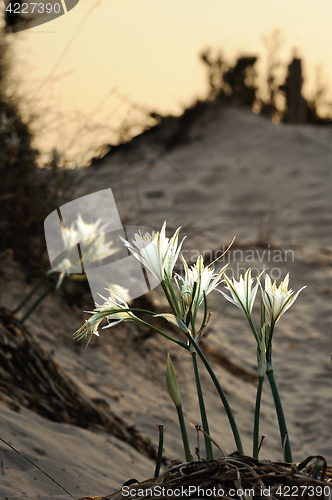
[230, 173]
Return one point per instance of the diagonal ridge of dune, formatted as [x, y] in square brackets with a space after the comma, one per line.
[29, 376]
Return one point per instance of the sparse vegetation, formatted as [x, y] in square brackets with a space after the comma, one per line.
[27, 193]
[17, 164]
[237, 84]
[234, 84]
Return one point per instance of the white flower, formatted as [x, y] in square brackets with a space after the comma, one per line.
[156, 252]
[242, 295]
[114, 301]
[94, 248]
[88, 231]
[119, 291]
[278, 300]
[113, 309]
[206, 281]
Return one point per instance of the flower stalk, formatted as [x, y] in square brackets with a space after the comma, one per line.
[32, 292]
[174, 298]
[205, 425]
[171, 299]
[184, 433]
[90, 327]
[160, 449]
[221, 393]
[178, 342]
[281, 417]
[36, 303]
[261, 363]
[174, 391]
[257, 416]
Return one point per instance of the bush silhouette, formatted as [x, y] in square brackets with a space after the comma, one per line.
[24, 195]
[233, 84]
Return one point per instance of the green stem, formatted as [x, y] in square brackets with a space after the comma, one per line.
[221, 393]
[189, 317]
[184, 433]
[205, 312]
[182, 344]
[30, 294]
[175, 301]
[257, 414]
[317, 468]
[135, 309]
[160, 449]
[35, 304]
[252, 326]
[205, 425]
[269, 347]
[169, 298]
[41, 470]
[281, 417]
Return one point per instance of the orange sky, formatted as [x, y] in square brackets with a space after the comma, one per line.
[148, 51]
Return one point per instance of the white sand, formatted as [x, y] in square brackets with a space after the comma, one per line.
[237, 175]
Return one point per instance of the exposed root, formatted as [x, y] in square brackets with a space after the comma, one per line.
[235, 477]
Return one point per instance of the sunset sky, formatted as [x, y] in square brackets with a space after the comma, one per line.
[147, 51]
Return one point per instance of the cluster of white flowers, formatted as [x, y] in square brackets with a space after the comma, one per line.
[275, 299]
[160, 254]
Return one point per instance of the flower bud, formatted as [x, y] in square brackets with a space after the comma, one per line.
[172, 384]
